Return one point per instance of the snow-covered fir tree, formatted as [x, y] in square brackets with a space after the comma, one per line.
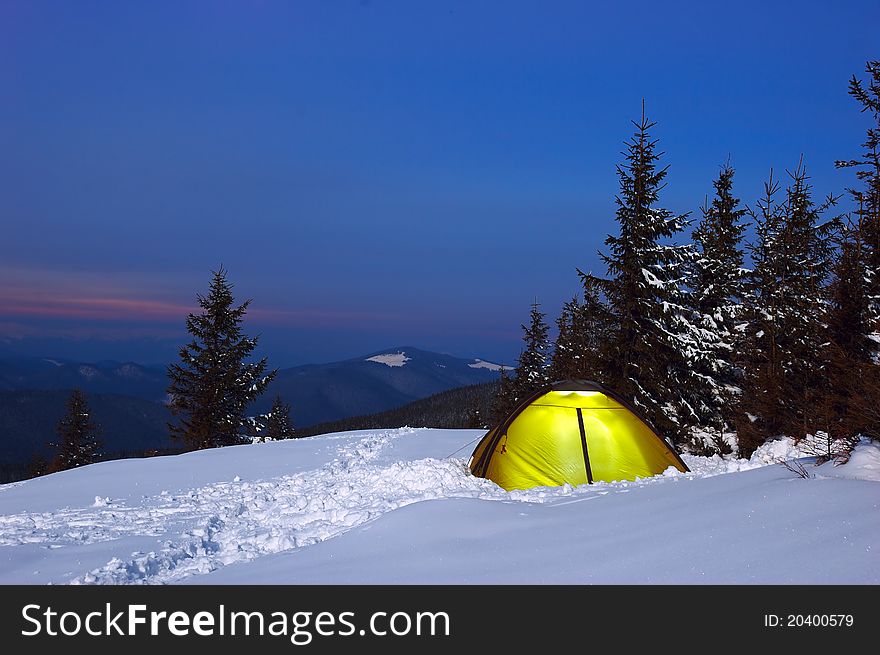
[568, 348]
[532, 371]
[854, 321]
[719, 277]
[867, 167]
[212, 385]
[785, 314]
[581, 330]
[532, 367]
[78, 442]
[650, 351]
[718, 289]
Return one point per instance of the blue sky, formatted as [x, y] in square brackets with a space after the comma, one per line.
[375, 173]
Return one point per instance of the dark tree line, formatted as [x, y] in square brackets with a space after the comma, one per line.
[463, 407]
[707, 347]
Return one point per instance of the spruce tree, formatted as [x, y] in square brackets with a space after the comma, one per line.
[866, 199]
[848, 348]
[532, 369]
[78, 443]
[278, 422]
[718, 289]
[719, 277]
[854, 314]
[213, 384]
[649, 351]
[566, 349]
[582, 327]
[504, 399]
[785, 315]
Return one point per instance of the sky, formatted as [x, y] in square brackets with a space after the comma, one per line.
[376, 173]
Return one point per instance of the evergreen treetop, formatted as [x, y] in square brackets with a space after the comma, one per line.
[719, 275]
[532, 372]
[648, 353]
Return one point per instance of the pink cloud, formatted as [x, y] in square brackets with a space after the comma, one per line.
[131, 298]
[43, 306]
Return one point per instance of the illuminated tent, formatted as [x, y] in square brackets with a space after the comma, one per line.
[573, 432]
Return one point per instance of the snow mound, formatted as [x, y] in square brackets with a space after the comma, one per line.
[772, 452]
[390, 359]
[863, 464]
[479, 363]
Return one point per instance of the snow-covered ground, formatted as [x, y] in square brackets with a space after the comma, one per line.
[399, 506]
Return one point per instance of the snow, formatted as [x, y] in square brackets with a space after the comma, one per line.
[88, 372]
[399, 506]
[479, 363]
[390, 359]
[863, 464]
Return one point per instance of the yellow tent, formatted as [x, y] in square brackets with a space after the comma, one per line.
[572, 432]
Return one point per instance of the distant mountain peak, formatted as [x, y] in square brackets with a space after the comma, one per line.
[390, 359]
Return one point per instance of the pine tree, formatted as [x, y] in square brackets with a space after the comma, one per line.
[848, 348]
[504, 400]
[854, 314]
[849, 320]
[867, 198]
[719, 277]
[78, 443]
[718, 289]
[567, 349]
[785, 315]
[582, 329]
[213, 384]
[278, 422]
[532, 370]
[650, 349]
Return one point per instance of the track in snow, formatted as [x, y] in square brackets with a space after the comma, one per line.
[241, 521]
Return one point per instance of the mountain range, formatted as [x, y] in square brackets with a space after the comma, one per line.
[127, 398]
[372, 383]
